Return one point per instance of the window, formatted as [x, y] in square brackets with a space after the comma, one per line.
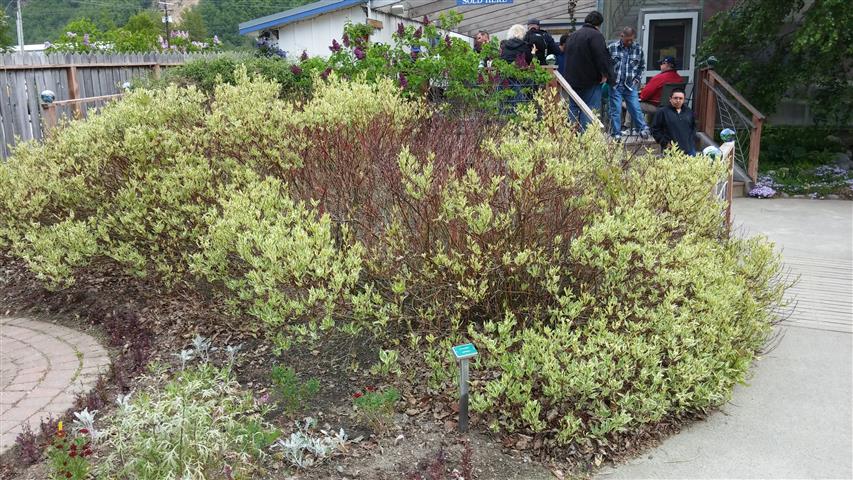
[671, 37]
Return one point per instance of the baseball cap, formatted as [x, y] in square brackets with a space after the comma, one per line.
[533, 21]
[668, 59]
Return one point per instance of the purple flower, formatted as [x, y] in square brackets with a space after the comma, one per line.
[419, 32]
[335, 47]
[521, 61]
[404, 82]
[359, 53]
[762, 191]
[296, 69]
[304, 56]
[401, 29]
[326, 73]
[426, 20]
[447, 41]
[480, 78]
[345, 39]
[414, 54]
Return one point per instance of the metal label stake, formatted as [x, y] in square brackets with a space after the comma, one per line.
[463, 353]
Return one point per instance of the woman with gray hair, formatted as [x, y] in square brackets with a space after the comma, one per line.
[514, 45]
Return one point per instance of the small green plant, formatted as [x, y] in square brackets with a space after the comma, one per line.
[376, 407]
[198, 425]
[293, 393]
[68, 455]
[389, 362]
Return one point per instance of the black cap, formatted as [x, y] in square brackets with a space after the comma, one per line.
[668, 59]
[533, 21]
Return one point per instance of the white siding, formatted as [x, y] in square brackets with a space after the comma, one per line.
[314, 35]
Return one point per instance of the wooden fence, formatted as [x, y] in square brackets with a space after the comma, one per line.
[71, 77]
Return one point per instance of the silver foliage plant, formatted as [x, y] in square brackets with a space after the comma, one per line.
[304, 450]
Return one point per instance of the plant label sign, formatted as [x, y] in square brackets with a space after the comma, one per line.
[465, 3]
[464, 351]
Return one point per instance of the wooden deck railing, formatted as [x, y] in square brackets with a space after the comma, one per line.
[711, 87]
[564, 85]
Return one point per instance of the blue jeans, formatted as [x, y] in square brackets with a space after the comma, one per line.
[592, 97]
[632, 101]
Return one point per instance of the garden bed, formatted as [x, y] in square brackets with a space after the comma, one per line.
[344, 244]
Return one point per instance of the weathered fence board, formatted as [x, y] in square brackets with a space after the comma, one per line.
[70, 76]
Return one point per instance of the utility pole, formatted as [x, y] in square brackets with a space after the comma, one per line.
[20, 25]
[165, 20]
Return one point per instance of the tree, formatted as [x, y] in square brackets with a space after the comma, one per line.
[6, 37]
[772, 48]
[45, 19]
[193, 23]
[223, 17]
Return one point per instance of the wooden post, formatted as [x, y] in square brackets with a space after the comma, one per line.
[49, 116]
[754, 147]
[709, 110]
[73, 91]
[156, 71]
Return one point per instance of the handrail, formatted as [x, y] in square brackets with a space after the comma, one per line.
[717, 78]
[577, 98]
[707, 109]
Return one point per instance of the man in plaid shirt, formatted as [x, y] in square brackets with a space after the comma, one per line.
[629, 66]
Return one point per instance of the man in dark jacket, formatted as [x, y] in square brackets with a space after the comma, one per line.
[675, 124]
[514, 46]
[587, 65]
[542, 40]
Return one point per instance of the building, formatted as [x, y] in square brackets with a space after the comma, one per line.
[312, 27]
[665, 27]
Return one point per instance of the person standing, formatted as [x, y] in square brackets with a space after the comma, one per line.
[514, 46]
[480, 39]
[542, 40]
[561, 55]
[674, 125]
[628, 66]
[587, 65]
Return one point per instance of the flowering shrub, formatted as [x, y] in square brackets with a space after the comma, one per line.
[601, 289]
[68, 455]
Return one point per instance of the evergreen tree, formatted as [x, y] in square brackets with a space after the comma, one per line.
[193, 23]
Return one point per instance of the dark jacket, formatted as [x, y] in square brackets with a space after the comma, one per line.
[544, 44]
[670, 126]
[587, 58]
[514, 47]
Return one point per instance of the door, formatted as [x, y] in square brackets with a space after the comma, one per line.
[670, 34]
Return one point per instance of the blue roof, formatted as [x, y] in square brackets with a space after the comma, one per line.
[295, 14]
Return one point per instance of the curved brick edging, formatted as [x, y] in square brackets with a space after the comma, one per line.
[43, 367]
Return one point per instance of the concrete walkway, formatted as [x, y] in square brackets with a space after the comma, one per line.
[43, 367]
[794, 418]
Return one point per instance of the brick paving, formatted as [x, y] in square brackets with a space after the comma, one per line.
[43, 367]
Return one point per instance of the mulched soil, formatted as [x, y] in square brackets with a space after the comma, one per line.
[422, 441]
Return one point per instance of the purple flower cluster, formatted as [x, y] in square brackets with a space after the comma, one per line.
[304, 56]
[829, 170]
[404, 82]
[296, 69]
[426, 20]
[401, 29]
[335, 47]
[359, 53]
[762, 191]
[419, 32]
[345, 39]
[447, 41]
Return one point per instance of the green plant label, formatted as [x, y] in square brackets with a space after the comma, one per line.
[466, 350]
